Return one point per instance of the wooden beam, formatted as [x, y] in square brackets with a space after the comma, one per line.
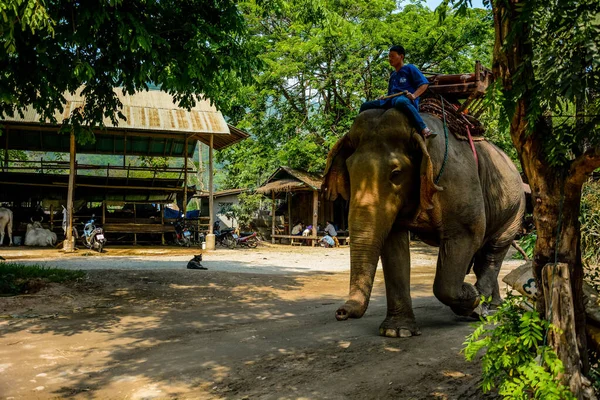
[162, 223]
[61, 184]
[6, 133]
[211, 193]
[68, 245]
[315, 213]
[273, 218]
[52, 217]
[289, 196]
[185, 177]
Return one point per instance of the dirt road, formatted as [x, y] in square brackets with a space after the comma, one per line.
[259, 324]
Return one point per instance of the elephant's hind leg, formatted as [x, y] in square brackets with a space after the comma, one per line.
[449, 286]
[488, 262]
[395, 257]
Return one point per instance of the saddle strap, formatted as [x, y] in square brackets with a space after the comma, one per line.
[472, 146]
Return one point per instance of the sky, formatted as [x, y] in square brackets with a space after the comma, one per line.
[432, 4]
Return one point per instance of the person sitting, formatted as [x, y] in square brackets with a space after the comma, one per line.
[297, 229]
[327, 241]
[408, 83]
[330, 230]
[307, 231]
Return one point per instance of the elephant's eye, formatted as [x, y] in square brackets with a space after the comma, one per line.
[395, 175]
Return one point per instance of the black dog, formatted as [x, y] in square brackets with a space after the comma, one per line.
[195, 263]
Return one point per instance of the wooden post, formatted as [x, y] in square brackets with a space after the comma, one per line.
[315, 214]
[273, 217]
[6, 150]
[289, 201]
[185, 177]
[210, 238]
[68, 244]
[52, 217]
[104, 212]
[560, 312]
[162, 222]
[125, 151]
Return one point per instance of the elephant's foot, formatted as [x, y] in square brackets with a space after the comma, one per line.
[352, 309]
[397, 326]
[468, 301]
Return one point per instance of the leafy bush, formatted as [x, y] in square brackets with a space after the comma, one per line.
[246, 210]
[17, 278]
[513, 338]
[589, 217]
[527, 243]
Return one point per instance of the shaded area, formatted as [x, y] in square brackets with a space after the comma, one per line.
[184, 334]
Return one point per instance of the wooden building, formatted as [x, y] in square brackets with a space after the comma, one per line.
[154, 126]
[300, 198]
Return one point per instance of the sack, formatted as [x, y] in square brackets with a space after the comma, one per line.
[521, 279]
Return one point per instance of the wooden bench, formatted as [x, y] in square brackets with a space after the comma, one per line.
[344, 240]
[139, 228]
[296, 239]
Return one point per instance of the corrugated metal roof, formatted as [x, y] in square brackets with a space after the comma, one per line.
[222, 193]
[151, 119]
[147, 111]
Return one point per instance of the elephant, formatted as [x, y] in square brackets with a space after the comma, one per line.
[388, 173]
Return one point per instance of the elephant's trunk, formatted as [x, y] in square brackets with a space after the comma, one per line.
[367, 241]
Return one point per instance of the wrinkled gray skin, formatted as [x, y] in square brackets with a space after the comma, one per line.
[474, 218]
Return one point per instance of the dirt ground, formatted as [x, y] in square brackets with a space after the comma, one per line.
[259, 324]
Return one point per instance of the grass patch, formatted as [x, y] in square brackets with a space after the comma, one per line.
[18, 278]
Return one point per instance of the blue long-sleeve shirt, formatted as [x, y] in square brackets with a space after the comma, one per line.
[407, 78]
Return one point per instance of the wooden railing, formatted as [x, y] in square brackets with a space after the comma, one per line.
[62, 168]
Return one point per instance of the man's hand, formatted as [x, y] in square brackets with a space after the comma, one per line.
[411, 96]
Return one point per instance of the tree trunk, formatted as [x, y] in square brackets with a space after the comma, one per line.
[513, 61]
[557, 291]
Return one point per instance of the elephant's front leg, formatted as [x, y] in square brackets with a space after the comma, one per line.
[395, 257]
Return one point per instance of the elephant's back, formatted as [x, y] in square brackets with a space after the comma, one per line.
[501, 185]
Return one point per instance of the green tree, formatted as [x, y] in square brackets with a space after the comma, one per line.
[547, 59]
[322, 59]
[187, 47]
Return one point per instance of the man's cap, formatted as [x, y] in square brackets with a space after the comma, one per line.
[398, 49]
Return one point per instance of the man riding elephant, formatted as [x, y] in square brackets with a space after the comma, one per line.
[394, 181]
[405, 86]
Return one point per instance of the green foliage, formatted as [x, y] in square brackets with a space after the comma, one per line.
[15, 278]
[589, 218]
[594, 373]
[513, 340]
[28, 15]
[246, 210]
[154, 162]
[322, 59]
[527, 243]
[560, 73]
[187, 48]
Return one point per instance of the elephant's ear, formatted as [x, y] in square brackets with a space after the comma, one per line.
[336, 180]
[428, 186]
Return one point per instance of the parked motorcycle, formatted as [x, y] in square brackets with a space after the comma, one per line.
[93, 237]
[224, 237]
[246, 239]
[185, 235]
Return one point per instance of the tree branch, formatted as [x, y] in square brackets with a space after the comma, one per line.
[584, 165]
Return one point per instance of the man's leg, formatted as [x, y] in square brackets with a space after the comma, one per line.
[402, 103]
[369, 105]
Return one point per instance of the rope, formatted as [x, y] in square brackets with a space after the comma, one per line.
[557, 243]
[437, 179]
